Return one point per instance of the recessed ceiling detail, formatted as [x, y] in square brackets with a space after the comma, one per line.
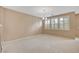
[41, 11]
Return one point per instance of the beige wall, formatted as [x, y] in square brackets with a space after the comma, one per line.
[17, 25]
[0, 43]
[1, 23]
[77, 25]
[70, 33]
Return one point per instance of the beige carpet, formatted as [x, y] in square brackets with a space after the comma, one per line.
[42, 44]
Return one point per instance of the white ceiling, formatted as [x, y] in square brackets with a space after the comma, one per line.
[41, 11]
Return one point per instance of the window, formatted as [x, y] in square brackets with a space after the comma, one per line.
[52, 23]
[58, 23]
[66, 23]
[47, 24]
[61, 23]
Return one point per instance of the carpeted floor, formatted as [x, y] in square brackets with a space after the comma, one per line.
[41, 44]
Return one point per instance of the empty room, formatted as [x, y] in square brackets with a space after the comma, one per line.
[39, 29]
